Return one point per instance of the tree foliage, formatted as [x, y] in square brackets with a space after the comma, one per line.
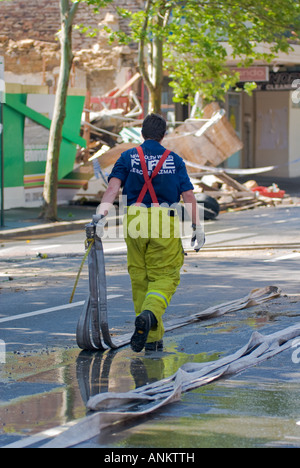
[197, 36]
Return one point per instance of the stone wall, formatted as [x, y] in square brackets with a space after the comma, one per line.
[28, 41]
[40, 19]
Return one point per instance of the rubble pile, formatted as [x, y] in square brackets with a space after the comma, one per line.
[205, 145]
[234, 196]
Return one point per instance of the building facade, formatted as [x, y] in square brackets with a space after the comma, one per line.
[267, 122]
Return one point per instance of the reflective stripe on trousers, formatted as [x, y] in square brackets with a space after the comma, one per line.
[159, 295]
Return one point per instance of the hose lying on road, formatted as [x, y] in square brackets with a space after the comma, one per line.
[114, 408]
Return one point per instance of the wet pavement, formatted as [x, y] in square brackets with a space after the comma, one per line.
[257, 408]
[47, 380]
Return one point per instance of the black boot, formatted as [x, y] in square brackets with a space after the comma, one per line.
[143, 324]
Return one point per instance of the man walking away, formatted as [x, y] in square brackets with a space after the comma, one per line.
[153, 180]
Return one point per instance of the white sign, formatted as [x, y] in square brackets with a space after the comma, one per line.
[2, 82]
[296, 94]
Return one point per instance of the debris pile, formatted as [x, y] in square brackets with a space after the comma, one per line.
[209, 141]
[205, 145]
[234, 196]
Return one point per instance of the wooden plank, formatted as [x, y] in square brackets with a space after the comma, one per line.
[233, 183]
[212, 148]
[127, 85]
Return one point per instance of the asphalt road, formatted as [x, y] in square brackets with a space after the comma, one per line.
[40, 382]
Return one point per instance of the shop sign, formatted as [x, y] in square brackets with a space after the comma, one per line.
[256, 74]
[280, 81]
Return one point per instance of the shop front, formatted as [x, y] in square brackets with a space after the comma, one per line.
[268, 122]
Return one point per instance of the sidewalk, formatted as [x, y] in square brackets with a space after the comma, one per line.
[19, 222]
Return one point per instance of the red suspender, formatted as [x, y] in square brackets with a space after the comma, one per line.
[148, 181]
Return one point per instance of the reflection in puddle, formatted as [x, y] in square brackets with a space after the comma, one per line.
[41, 391]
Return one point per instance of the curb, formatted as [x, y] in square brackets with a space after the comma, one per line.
[59, 227]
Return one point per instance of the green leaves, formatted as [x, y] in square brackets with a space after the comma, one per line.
[203, 34]
[199, 35]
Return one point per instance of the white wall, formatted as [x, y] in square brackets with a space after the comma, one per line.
[272, 131]
[14, 197]
[294, 137]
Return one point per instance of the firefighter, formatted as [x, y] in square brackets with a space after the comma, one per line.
[153, 180]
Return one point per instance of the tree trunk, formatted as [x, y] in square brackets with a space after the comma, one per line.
[156, 75]
[155, 101]
[49, 210]
[153, 74]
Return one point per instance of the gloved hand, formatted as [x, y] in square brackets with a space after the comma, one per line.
[198, 237]
[100, 221]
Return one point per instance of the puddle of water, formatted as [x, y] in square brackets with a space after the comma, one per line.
[43, 390]
[39, 391]
[35, 390]
[246, 412]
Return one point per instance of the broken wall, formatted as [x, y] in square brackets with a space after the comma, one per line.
[29, 44]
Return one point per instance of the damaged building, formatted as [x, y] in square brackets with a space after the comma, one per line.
[31, 52]
[104, 77]
[28, 41]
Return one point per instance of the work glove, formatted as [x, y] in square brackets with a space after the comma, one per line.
[198, 237]
[100, 222]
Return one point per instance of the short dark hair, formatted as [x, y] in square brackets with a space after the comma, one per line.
[154, 127]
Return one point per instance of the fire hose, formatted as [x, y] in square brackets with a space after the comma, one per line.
[92, 328]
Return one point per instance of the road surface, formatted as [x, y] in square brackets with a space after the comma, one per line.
[42, 380]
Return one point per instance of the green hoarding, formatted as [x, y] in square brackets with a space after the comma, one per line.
[27, 120]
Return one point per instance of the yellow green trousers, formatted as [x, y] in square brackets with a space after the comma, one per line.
[155, 258]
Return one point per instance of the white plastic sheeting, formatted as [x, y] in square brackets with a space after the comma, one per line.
[193, 375]
[256, 297]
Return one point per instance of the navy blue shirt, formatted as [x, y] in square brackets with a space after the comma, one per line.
[171, 181]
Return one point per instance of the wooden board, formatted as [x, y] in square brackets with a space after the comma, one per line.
[217, 144]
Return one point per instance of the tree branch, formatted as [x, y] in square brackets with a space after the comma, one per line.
[167, 17]
[73, 12]
[68, 11]
[142, 67]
